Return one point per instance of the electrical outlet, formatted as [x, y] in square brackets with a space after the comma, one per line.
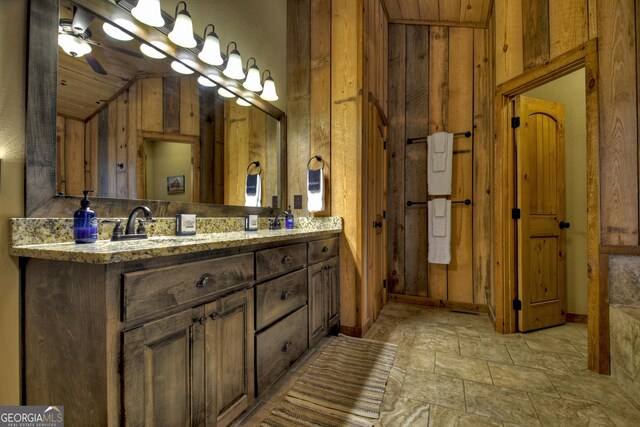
[297, 201]
[274, 201]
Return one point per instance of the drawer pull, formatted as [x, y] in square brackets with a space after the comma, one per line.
[287, 347]
[202, 320]
[213, 315]
[285, 295]
[206, 280]
[286, 260]
[325, 249]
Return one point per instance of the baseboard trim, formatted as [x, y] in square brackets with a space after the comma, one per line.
[432, 302]
[576, 318]
[351, 331]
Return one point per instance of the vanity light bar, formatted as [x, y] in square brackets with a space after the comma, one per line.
[208, 49]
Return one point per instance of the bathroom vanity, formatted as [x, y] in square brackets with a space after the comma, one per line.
[173, 330]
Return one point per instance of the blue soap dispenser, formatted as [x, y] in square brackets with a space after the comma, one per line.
[289, 219]
[85, 222]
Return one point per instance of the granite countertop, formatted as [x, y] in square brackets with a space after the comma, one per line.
[58, 245]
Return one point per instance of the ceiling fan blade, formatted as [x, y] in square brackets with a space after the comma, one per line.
[116, 48]
[82, 18]
[95, 64]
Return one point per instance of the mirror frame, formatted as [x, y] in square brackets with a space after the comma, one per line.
[40, 127]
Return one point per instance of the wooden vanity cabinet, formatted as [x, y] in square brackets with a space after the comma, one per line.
[191, 368]
[323, 290]
[177, 340]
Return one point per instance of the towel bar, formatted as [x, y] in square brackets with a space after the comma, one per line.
[466, 134]
[467, 202]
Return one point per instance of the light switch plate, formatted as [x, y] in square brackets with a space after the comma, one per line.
[297, 201]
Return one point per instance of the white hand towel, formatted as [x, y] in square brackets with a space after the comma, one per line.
[315, 190]
[253, 191]
[439, 163]
[439, 231]
[439, 218]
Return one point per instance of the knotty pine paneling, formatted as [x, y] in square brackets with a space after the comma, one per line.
[104, 153]
[438, 81]
[571, 23]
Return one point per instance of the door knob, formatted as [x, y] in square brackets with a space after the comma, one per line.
[564, 225]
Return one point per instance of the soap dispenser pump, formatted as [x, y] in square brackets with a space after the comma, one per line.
[85, 222]
[289, 221]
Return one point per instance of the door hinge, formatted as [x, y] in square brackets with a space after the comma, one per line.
[515, 122]
[515, 213]
[384, 214]
[384, 145]
[384, 283]
[517, 304]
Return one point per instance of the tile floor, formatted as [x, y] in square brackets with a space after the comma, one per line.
[452, 369]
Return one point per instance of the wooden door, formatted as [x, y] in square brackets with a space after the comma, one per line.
[317, 304]
[229, 357]
[163, 381]
[540, 198]
[376, 212]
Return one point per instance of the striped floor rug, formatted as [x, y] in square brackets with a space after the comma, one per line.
[349, 376]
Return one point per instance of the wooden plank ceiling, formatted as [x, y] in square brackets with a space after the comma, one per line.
[82, 91]
[468, 13]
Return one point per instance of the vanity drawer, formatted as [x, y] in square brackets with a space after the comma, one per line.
[275, 261]
[154, 291]
[320, 250]
[281, 296]
[278, 347]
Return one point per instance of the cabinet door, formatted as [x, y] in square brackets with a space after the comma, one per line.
[332, 292]
[163, 361]
[317, 303]
[229, 357]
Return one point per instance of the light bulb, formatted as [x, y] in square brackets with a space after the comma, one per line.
[206, 81]
[73, 45]
[225, 93]
[148, 12]
[234, 66]
[182, 33]
[181, 68]
[269, 91]
[115, 32]
[154, 53]
[253, 79]
[210, 53]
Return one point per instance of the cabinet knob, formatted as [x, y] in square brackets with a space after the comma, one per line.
[213, 315]
[285, 295]
[325, 249]
[287, 347]
[202, 320]
[206, 280]
[286, 259]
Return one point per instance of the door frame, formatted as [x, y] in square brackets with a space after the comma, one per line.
[504, 245]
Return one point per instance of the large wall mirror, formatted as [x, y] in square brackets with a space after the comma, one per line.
[135, 130]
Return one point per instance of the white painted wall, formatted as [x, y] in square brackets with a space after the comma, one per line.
[259, 27]
[569, 90]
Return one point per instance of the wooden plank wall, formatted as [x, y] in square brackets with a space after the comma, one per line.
[104, 153]
[439, 81]
[336, 56]
[569, 24]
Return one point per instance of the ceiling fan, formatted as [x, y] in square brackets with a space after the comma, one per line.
[74, 37]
